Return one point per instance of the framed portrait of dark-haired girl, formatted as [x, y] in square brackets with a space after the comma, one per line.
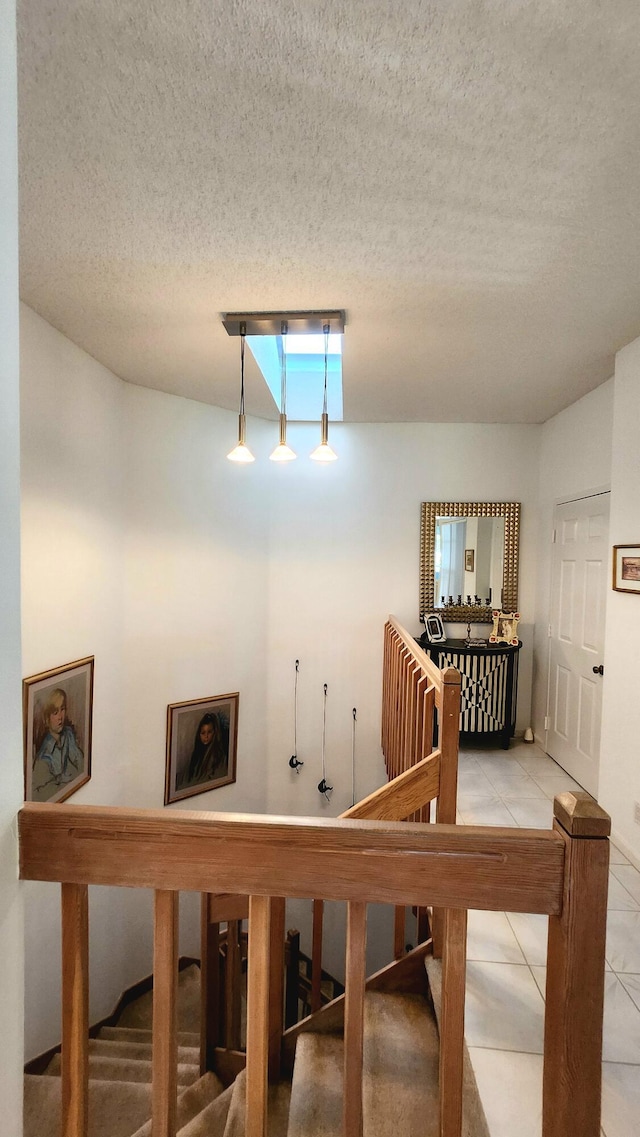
[58, 709]
[202, 737]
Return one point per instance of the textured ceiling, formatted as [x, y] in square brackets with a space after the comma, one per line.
[461, 176]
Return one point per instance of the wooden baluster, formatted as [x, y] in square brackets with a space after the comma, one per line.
[210, 986]
[276, 985]
[232, 986]
[454, 964]
[75, 1010]
[316, 956]
[399, 922]
[571, 1096]
[293, 979]
[447, 798]
[354, 1017]
[165, 992]
[258, 971]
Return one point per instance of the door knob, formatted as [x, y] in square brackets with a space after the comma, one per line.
[599, 670]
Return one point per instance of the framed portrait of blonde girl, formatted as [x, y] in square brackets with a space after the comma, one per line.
[58, 709]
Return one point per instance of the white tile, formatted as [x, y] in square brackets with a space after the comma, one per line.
[623, 941]
[539, 763]
[621, 1037]
[629, 877]
[510, 1088]
[474, 781]
[515, 784]
[615, 856]
[619, 898]
[500, 762]
[531, 933]
[504, 1008]
[631, 983]
[471, 799]
[553, 784]
[540, 976]
[494, 814]
[620, 1100]
[490, 938]
[531, 813]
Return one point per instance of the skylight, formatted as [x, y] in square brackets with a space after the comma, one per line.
[305, 372]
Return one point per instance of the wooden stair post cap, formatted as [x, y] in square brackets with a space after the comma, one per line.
[580, 815]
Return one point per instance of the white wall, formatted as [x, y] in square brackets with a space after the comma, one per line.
[11, 931]
[575, 457]
[345, 542]
[619, 763]
[143, 547]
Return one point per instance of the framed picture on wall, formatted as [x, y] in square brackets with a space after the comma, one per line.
[58, 709]
[202, 736]
[626, 568]
[469, 560]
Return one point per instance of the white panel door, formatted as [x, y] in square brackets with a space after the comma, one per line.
[579, 580]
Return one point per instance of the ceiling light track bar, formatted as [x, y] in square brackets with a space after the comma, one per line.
[270, 323]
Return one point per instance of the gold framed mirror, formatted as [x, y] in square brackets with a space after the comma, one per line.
[469, 549]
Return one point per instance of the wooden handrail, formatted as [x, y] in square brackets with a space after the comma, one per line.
[384, 861]
[560, 872]
[405, 795]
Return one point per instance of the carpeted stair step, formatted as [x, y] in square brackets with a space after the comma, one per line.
[133, 1034]
[116, 1109]
[193, 1103]
[474, 1122]
[316, 1090]
[400, 1067]
[105, 1069]
[278, 1109]
[139, 1013]
[212, 1120]
[114, 1048]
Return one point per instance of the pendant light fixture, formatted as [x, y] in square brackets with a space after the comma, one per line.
[323, 452]
[282, 452]
[241, 452]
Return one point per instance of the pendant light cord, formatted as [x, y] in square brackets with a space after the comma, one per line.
[325, 329]
[324, 734]
[353, 758]
[284, 328]
[295, 710]
[243, 332]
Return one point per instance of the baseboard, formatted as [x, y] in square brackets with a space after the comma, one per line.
[39, 1064]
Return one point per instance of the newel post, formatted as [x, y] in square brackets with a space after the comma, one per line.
[575, 973]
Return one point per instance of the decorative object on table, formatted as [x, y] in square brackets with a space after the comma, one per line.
[323, 786]
[202, 737]
[626, 568]
[433, 628]
[505, 628]
[294, 761]
[488, 529]
[58, 710]
[469, 560]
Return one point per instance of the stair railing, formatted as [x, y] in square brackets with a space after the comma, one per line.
[420, 731]
[561, 873]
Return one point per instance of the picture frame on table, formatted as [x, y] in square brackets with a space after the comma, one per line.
[626, 568]
[433, 628]
[57, 719]
[202, 740]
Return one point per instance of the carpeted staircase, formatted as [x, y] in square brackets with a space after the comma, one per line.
[400, 1078]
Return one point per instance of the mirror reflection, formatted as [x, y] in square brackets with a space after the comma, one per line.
[469, 560]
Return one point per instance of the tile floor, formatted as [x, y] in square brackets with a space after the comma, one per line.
[507, 957]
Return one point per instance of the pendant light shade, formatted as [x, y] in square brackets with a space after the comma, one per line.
[241, 452]
[282, 452]
[323, 452]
